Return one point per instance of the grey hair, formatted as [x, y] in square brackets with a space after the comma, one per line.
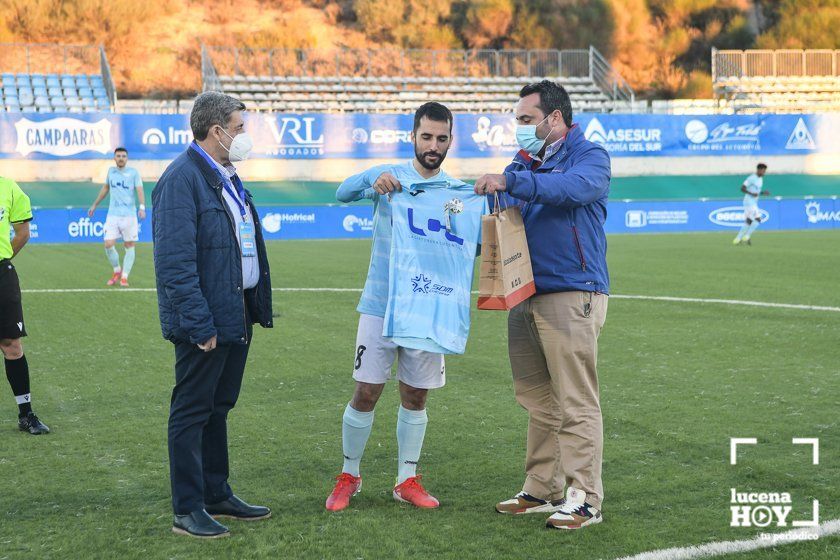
[211, 108]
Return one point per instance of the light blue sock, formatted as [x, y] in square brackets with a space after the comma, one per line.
[742, 232]
[411, 429]
[355, 431]
[128, 261]
[752, 228]
[113, 257]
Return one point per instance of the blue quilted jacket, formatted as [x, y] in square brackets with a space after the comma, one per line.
[197, 261]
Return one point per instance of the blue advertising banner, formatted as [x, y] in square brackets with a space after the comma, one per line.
[347, 222]
[357, 135]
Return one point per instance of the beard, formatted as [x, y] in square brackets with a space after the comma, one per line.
[433, 164]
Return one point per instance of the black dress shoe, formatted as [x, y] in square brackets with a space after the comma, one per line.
[30, 423]
[200, 525]
[235, 508]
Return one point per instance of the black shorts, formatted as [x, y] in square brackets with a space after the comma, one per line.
[11, 309]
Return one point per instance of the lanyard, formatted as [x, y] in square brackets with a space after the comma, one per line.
[228, 183]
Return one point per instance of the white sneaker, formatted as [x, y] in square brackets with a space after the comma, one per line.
[526, 503]
[574, 513]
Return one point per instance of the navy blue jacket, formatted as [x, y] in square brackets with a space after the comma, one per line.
[564, 207]
[197, 258]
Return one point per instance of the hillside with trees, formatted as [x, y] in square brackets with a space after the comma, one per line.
[662, 47]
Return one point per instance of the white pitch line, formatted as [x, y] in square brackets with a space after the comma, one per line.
[731, 547]
[731, 302]
[358, 290]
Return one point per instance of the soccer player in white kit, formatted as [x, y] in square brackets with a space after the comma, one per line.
[752, 189]
[122, 182]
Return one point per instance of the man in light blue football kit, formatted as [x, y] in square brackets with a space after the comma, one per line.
[752, 189]
[122, 182]
[418, 370]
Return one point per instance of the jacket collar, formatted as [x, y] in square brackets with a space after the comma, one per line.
[210, 174]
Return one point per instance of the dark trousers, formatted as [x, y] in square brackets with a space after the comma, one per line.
[206, 388]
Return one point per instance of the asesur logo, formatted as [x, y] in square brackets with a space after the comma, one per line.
[63, 136]
[272, 222]
[816, 215]
[733, 216]
[353, 223]
[624, 139]
[800, 138]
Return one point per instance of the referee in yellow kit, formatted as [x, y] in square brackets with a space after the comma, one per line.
[15, 212]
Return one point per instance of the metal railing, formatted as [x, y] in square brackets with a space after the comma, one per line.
[107, 79]
[573, 63]
[775, 63]
[49, 58]
[608, 79]
[209, 78]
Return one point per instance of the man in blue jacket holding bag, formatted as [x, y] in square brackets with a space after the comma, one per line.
[560, 181]
[213, 284]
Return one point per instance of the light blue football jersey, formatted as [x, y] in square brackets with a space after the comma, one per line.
[122, 184]
[754, 184]
[431, 268]
[374, 300]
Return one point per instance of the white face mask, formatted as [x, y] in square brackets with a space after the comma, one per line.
[240, 146]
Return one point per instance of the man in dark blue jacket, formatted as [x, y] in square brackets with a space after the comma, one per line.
[561, 182]
[213, 284]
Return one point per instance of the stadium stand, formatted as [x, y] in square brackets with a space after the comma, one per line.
[780, 81]
[47, 78]
[370, 81]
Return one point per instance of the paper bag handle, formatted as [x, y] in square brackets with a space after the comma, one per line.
[497, 203]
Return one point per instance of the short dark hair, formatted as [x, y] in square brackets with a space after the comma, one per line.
[120, 149]
[553, 96]
[761, 166]
[433, 111]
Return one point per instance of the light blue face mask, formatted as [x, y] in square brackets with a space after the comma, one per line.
[526, 136]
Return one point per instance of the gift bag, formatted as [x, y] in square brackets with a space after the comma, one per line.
[505, 276]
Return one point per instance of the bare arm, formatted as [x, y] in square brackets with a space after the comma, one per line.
[103, 192]
[142, 202]
[21, 237]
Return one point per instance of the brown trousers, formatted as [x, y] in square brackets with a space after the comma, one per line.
[553, 348]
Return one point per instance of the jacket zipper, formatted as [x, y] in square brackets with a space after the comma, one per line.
[238, 250]
[579, 249]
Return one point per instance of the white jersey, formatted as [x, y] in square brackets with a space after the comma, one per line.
[754, 185]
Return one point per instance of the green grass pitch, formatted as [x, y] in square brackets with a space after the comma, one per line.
[677, 379]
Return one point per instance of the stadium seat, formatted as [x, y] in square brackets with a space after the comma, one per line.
[53, 81]
[9, 91]
[85, 92]
[69, 92]
[103, 104]
[100, 92]
[42, 101]
[39, 91]
[12, 107]
[54, 92]
[26, 96]
[68, 82]
[88, 102]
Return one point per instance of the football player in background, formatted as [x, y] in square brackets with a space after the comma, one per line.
[122, 182]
